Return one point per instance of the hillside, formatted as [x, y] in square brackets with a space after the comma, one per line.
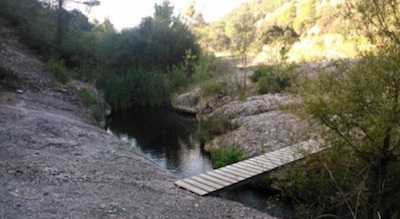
[317, 28]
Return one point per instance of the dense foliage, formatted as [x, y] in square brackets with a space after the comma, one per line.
[132, 66]
[210, 128]
[272, 78]
[355, 110]
[318, 26]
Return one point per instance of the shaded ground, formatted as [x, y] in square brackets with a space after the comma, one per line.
[54, 163]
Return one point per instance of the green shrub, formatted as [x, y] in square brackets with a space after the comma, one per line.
[225, 156]
[210, 128]
[59, 71]
[272, 79]
[208, 67]
[178, 78]
[136, 86]
[88, 98]
[212, 87]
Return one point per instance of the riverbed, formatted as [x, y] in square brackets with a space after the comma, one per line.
[169, 140]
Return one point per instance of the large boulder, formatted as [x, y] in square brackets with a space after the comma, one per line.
[263, 125]
[188, 102]
[252, 106]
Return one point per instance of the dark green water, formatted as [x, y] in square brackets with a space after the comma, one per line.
[168, 139]
[165, 137]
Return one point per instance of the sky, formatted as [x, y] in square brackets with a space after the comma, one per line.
[128, 13]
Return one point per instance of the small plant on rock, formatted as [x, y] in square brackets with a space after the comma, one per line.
[60, 74]
[225, 156]
[272, 79]
[90, 102]
[210, 128]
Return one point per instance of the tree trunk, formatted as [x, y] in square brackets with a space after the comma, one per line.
[245, 74]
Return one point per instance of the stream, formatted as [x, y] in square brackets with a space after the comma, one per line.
[168, 139]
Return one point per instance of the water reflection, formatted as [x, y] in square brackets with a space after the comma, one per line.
[168, 140]
[164, 137]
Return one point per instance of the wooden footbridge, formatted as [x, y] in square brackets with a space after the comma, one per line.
[240, 173]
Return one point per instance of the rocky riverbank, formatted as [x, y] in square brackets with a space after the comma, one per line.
[55, 162]
[263, 123]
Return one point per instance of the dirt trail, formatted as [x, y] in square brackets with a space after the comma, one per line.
[54, 163]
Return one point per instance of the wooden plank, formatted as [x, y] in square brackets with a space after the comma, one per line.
[271, 157]
[215, 180]
[249, 168]
[207, 182]
[268, 160]
[230, 175]
[191, 188]
[222, 177]
[235, 172]
[285, 154]
[279, 157]
[272, 161]
[199, 185]
[255, 161]
[266, 165]
[241, 171]
[250, 165]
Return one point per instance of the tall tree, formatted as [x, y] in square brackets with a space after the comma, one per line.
[60, 4]
[242, 35]
[193, 17]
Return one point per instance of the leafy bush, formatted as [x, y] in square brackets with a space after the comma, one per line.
[58, 70]
[353, 115]
[208, 67]
[178, 78]
[225, 156]
[272, 79]
[210, 128]
[88, 98]
[136, 86]
[211, 87]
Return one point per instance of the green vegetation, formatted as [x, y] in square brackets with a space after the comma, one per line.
[59, 72]
[318, 26]
[213, 87]
[209, 128]
[272, 78]
[208, 67]
[359, 120]
[90, 101]
[225, 156]
[140, 65]
[280, 37]
[355, 110]
[137, 86]
[209, 73]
